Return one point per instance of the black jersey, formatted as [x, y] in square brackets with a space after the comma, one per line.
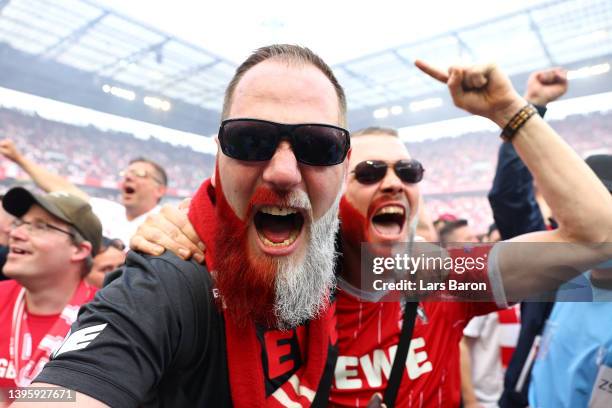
[155, 337]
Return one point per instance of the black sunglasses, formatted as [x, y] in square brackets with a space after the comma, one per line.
[257, 140]
[372, 171]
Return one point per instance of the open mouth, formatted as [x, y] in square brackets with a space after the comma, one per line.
[129, 190]
[18, 251]
[389, 220]
[278, 227]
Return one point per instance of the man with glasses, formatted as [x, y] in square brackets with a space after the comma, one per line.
[52, 240]
[143, 185]
[5, 227]
[257, 328]
[268, 219]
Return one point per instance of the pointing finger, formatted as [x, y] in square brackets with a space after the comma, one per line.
[432, 71]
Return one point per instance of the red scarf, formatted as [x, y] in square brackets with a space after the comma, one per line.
[29, 364]
[244, 351]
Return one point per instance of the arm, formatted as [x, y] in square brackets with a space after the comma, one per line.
[116, 353]
[467, 387]
[512, 196]
[81, 400]
[512, 199]
[43, 178]
[580, 202]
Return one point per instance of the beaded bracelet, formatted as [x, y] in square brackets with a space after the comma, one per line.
[517, 122]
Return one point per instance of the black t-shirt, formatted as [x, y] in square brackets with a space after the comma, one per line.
[154, 337]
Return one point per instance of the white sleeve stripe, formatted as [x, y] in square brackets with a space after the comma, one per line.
[495, 279]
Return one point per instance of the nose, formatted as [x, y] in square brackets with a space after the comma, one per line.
[391, 183]
[282, 171]
[18, 233]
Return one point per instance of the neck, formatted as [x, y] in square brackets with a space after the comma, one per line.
[132, 213]
[50, 298]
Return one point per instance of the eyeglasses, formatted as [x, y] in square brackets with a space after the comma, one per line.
[257, 140]
[37, 227]
[372, 171]
[140, 173]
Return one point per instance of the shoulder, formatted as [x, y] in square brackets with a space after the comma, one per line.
[8, 288]
[167, 267]
[185, 284]
[104, 205]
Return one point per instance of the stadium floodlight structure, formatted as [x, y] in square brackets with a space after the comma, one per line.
[181, 85]
[569, 33]
[117, 49]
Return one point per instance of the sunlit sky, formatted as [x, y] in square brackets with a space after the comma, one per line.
[338, 30]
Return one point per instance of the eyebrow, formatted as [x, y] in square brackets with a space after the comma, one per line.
[49, 221]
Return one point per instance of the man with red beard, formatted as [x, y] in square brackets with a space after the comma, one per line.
[256, 328]
[380, 206]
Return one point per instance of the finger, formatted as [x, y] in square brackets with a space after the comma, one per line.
[547, 77]
[138, 243]
[455, 84]
[375, 401]
[180, 220]
[561, 75]
[199, 258]
[477, 76]
[184, 205]
[167, 223]
[154, 235]
[432, 71]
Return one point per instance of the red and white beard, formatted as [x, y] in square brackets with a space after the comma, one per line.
[355, 228]
[281, 292]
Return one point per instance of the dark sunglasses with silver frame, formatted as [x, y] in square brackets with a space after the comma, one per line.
[256, 140]
[372, 171]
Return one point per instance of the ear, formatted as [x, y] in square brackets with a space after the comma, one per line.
[160, 191]
[213, 178]
[346, 169]
[82, 251]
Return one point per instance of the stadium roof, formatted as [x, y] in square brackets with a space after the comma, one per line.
[116, 48]
[556, 33]
[89, 37]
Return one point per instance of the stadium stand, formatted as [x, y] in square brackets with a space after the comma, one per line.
[459, 170]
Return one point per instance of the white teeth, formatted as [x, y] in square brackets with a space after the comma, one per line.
[18, 251]
[274, 210]
[286, 242]
[391, 209]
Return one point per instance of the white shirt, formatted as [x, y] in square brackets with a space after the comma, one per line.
[114, 220]
[487, 370]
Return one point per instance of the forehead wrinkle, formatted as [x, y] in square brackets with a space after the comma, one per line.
[280, 89]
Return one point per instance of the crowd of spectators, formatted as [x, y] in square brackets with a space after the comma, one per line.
[91, 157]
[467, 163]
[459, 170]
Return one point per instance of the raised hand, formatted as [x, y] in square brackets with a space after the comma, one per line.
[9, 150]
[546, 86]
[169, 229]
[483, 90]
